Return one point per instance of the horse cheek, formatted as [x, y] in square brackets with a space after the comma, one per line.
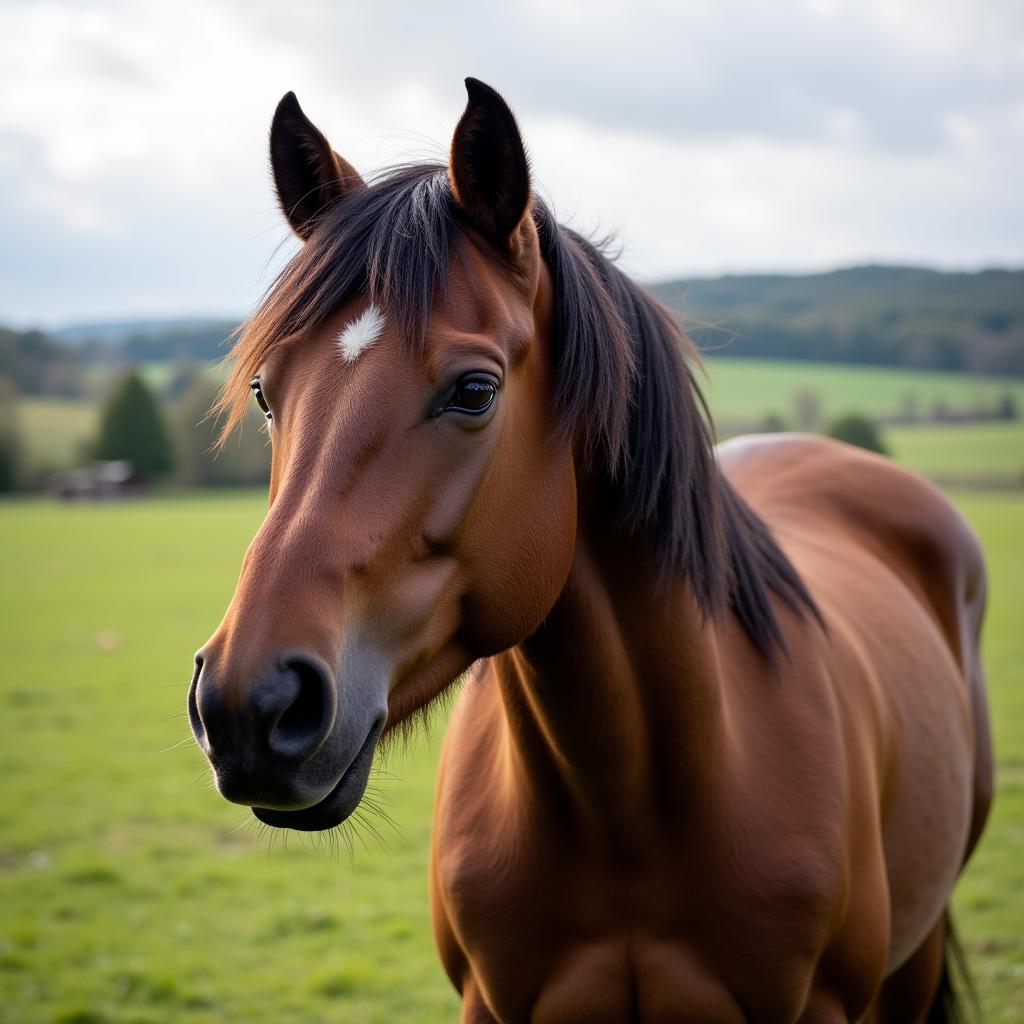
[530, 553]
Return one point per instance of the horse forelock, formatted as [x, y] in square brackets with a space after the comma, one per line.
[390, 241]
[625, 382]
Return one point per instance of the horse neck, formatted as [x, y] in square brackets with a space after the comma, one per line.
[619, 685]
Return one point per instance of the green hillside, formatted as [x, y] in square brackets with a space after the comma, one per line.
[891, 316]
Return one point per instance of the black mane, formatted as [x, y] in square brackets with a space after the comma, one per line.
[624, 384]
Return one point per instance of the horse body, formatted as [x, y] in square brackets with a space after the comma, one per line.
[726, 748]
[598, 778]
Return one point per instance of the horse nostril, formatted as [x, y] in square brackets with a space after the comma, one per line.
[194, 718]
[298, 707]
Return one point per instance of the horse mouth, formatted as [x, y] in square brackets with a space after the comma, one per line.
[339, 803]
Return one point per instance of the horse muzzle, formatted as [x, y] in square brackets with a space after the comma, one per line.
[288, 744]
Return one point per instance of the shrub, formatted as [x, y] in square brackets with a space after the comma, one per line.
[1006, 408]
[807, 411]
[858, 430]
[773, 423]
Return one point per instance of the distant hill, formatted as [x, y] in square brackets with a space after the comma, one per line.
[117, 331]
[143, 341]
[35, 364]
[890, 316]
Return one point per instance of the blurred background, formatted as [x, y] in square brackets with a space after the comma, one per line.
[826, 192]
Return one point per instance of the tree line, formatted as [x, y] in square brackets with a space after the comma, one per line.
[886, 316]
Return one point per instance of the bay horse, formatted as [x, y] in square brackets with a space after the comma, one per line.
[724, 748]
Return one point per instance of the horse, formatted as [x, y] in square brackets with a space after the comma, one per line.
[721, 746]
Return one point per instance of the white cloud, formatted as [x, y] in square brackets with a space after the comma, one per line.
[713, 136]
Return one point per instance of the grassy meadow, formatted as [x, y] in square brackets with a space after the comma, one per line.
[132, 893]
[745, 388]
[55, 429]
[961, 452]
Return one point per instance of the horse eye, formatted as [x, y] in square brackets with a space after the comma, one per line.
[473, 395]
[261, 401]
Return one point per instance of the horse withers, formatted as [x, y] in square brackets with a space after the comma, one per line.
[723, 750]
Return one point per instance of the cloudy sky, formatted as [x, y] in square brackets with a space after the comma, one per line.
[709, 135]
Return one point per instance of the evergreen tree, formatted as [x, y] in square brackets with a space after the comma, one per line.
[858, 430]
[133, 429]
[1006, 408]
[10, 438]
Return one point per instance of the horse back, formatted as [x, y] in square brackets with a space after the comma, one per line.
[817, 494]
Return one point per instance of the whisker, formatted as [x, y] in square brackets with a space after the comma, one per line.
[175, 746]
[345, 831]
[383, 815]
[368, 825]
[244, 824]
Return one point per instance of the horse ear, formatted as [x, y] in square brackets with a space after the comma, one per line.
[488, 168]
[308, 174]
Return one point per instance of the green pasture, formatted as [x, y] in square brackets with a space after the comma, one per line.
[963, 451]
[56, 429]
[131, 893]
[749, 389]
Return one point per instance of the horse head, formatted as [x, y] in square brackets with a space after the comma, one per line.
[422, 496]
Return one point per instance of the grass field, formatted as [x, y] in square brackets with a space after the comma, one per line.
[963, 451]
[132, 893]
[129, 890]
[55, 429]
[752, 388]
